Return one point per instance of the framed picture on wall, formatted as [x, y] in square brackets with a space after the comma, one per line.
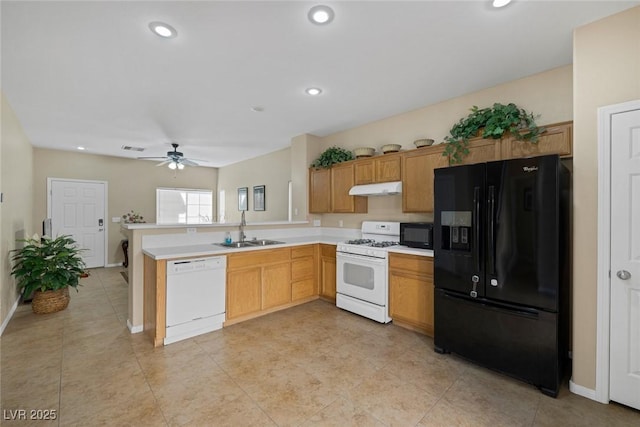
[243, 199]
[258, 198]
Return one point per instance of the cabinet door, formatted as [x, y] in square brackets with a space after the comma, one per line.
[319, 190]
[364, 172]
[388, 168]
[342, 179]
[244, 292]
[276, 285]
[411, 300]
[482, 150]
[557, 139]
[417, 177]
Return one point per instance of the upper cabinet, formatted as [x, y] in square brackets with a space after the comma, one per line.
[342, 179]
[329, 190]
[557, 139]
[417, 177]
[319, 190]
[384, 168]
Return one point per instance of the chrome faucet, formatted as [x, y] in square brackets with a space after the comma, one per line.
[243, 222]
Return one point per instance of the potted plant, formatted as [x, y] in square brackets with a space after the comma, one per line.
[491, 122]
[331, 156]
[46, 268]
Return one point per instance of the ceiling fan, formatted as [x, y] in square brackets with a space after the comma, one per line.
[174, 159]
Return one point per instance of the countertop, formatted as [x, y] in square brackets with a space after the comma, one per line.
[211, 249]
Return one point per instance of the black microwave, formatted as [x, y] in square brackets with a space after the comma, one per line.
[417, 234]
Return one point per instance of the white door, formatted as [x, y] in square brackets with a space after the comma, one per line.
[625, 259]
[77, 208]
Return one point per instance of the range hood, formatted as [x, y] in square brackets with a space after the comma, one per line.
[381, 189]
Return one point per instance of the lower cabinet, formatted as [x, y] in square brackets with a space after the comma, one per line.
[262, 281]
[411, 292]
[304, 272]
[328, 272]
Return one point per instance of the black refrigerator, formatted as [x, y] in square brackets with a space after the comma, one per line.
[502, 266]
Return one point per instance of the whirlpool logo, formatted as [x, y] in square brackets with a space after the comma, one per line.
[529, 168]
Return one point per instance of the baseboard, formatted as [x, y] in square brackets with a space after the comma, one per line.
[9, 316]
[118, 264]
[583, 391]
[134, 329]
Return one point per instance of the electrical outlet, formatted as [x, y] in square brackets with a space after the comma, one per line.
[340, 223]
[295, 211]
[192, 230]
[316, 223]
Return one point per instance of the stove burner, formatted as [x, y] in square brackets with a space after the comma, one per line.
[382, 244]
[359, 241]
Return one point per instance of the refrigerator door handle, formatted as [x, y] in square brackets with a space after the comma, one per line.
[476, 228]
[491, 203]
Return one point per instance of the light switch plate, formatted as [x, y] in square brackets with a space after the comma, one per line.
[115, 219]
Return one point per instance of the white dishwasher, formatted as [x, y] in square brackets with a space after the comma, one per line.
[196, 290]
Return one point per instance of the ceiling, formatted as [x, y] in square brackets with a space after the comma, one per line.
[92, 74]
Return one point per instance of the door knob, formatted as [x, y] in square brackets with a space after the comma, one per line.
[623, 275]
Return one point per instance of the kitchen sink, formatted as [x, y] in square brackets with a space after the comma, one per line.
[250, 243]
[263, 242]
[235, 244]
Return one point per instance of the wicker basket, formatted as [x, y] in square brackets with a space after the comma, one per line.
[50, 301]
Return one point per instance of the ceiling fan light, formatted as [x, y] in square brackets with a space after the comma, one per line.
[173, 165]
[180, 166]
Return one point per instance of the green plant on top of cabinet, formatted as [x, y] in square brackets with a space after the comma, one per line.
[492, 123]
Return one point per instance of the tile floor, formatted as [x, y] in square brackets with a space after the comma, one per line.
[309, 365]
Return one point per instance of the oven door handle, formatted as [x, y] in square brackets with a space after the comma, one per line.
[372, 260]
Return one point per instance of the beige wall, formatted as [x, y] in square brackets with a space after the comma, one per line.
[606, 71]
[131, 183]
[272, 170]
[16, 179]
[548, 94]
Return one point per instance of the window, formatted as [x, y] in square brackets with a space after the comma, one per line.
[184, 206]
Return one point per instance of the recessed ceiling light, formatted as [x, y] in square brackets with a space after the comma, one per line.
[257, 109]
[163, 30]
[81, 147]
[500, 3]
[320, 14]
[313, 91]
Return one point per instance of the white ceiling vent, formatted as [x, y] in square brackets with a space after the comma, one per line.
[130, 148]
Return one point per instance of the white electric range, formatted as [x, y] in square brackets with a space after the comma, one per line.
[362, 273]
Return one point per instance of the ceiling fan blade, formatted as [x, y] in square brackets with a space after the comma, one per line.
[164, 163]
[188, 162]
